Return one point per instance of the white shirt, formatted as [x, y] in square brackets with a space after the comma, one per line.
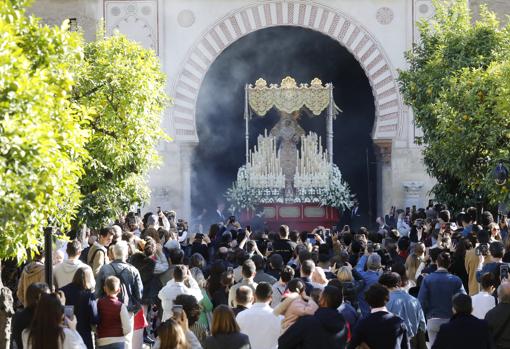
[172, 289]
[482, 303]
[403, 228]
[375, 310]
[261, 326]
[72, 339]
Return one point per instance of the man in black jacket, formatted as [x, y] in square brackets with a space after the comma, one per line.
[283, 246]
[464, 330]
[380, 329]
[325, 329]
[499, 318]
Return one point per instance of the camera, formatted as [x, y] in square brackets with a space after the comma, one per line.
[482, 250]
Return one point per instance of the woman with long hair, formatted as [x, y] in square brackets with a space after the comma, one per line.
[171, 336]
[414, 261]
[79, 294]
[23, 318]
[225, 331]
[48, 329]
[192, 309]
[214, 280]
[458, 266]
[221, 295]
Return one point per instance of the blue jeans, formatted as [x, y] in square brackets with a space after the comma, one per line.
[112, 346]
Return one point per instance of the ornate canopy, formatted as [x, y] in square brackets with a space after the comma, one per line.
[289, 97]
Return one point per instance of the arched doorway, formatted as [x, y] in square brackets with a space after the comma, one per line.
[273, 53]
[389, 123]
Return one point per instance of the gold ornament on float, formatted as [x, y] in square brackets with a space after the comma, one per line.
[289, 97]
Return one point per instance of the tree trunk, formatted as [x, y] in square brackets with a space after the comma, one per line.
[6, 314]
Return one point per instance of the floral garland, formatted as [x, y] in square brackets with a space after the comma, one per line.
[242, 196]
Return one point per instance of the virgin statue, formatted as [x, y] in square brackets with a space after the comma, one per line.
[287, 134]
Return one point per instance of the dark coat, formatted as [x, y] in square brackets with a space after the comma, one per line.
[325, 329]
[381, 330]
[499, 325]
[285, 248]
[463, 331]
[21, 321]
[228, 341]
[85, 310]
[151, 282]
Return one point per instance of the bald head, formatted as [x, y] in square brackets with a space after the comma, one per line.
[244, 295]
[504, 292]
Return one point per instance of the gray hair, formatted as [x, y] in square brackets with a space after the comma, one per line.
[118, 231]
[374, 261]
[120, 250]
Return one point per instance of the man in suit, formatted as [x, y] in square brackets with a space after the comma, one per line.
[380, 329]
[218, 215]
[499, 318]
[382, 226]
[355, 218]
[464, 330]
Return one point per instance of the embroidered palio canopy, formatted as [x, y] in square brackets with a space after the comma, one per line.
[289, 97]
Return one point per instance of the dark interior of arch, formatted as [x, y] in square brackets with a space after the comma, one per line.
[272, 54]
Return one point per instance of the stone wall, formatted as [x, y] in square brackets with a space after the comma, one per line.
[501, 7]
[86, 12]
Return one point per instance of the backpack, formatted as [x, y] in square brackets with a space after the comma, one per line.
[125, 296]
[91, 263]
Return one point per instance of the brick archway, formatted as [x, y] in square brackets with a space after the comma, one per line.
[337, 25]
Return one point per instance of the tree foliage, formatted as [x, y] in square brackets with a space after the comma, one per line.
[79, 125]
[124, 86]
[42, 133]
[458, 87]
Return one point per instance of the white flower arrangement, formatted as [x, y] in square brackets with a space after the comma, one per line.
[338, 193]
[335, 194]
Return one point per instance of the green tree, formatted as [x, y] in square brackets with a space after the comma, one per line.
[42, 133]
[456, 86]
[124, 86]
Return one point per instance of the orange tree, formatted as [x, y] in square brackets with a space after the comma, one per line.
[458, 87]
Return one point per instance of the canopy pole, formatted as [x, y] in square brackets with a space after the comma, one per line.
[246, 119]
[329, 124]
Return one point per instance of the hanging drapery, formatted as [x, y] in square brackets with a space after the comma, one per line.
[289, 97]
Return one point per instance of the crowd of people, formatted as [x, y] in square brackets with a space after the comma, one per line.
[421, 278]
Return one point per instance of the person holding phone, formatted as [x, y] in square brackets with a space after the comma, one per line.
[81, 302]
[50, 328]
